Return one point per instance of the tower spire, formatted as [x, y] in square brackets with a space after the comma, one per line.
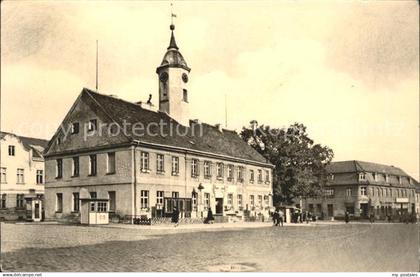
[172, 43]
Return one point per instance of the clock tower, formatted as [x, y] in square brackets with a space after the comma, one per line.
[173, 79]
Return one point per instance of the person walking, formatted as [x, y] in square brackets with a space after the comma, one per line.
[280, 218]
[276, 217]
[175, 217]
[209, 218]
[372, 217]
[347, 217]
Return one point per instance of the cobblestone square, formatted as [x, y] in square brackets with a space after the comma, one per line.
[317, 247]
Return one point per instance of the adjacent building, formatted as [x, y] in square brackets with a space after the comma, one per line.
[21, 177]
[362, 188]
[144, 162]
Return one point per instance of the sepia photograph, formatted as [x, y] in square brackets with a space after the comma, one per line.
[209, 136]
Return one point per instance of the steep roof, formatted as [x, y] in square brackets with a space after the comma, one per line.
[198, 136]
[361, 166]
[36, 144]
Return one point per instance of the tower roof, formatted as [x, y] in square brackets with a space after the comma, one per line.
[172, 57]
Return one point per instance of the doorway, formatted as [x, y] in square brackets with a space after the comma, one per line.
[219, 205]
[364, 210]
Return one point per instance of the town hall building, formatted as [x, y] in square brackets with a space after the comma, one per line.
[133, 160]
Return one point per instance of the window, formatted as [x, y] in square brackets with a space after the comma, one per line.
[207, 200]
[75, 128]
[239, 199]
[75, 167]
[240, 174]
[144, 199]
[386, 178]
[194, 199]
[251, 176]
[363, 191]
[93, 194]
[110, 163]
[102, 207]
[92, 165]
[3, 201]
[259, 200]
[252, 200]
[76, 204]
[266, 200]
[219, 169]
[175, 165]
[267, 176]
[349, 192]
[20, 201]
[207, 169]
[260, 178]
[332, 177]
[194, 168]
[230, 199]
[160, 163]
[59, 203]
[185, 95]
[11, 150]
[159, 198]
[59, 168]
[58, 140]
[329, 192]
[20, 176]
[375, 177]
[362, 176]
[112, 201]
[175, 194]
[230, 172]
[399, 180]
[93, 125]
[144, 162]
[39, 177]
[3, 175]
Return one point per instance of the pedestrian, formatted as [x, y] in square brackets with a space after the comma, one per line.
[276, 217]
[175, 217]
[209, 218]
[347, 217]
[307, 217]
[280, 218]
[372, 217]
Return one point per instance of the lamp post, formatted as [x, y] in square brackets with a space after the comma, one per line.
[200, 189]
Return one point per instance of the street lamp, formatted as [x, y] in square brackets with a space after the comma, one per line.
[200, 189]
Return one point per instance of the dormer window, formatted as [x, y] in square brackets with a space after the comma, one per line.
[362, 176]
[409, 180]
[375, 176]
[75, 128]
[399, 180]
[386, 178]
[93, 125]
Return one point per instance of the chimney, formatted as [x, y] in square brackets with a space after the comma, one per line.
[219, 127]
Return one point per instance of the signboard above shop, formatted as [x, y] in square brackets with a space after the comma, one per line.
[401, 200]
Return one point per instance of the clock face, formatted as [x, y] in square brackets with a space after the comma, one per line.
[185, 77]
[163, 77]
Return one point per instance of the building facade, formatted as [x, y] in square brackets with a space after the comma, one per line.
[147, 162]
[22, 177]
[365, 188]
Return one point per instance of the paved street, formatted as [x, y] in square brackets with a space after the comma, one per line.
[321, 247]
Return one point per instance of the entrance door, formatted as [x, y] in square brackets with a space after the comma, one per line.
[219, 205]
[330, 210]
[364, 210]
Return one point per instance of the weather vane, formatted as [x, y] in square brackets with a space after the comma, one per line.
[172, 14]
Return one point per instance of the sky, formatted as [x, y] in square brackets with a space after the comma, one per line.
[348, 70]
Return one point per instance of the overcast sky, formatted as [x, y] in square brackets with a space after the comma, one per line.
[348, 70]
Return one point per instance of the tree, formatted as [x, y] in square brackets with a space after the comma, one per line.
[300, 165]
